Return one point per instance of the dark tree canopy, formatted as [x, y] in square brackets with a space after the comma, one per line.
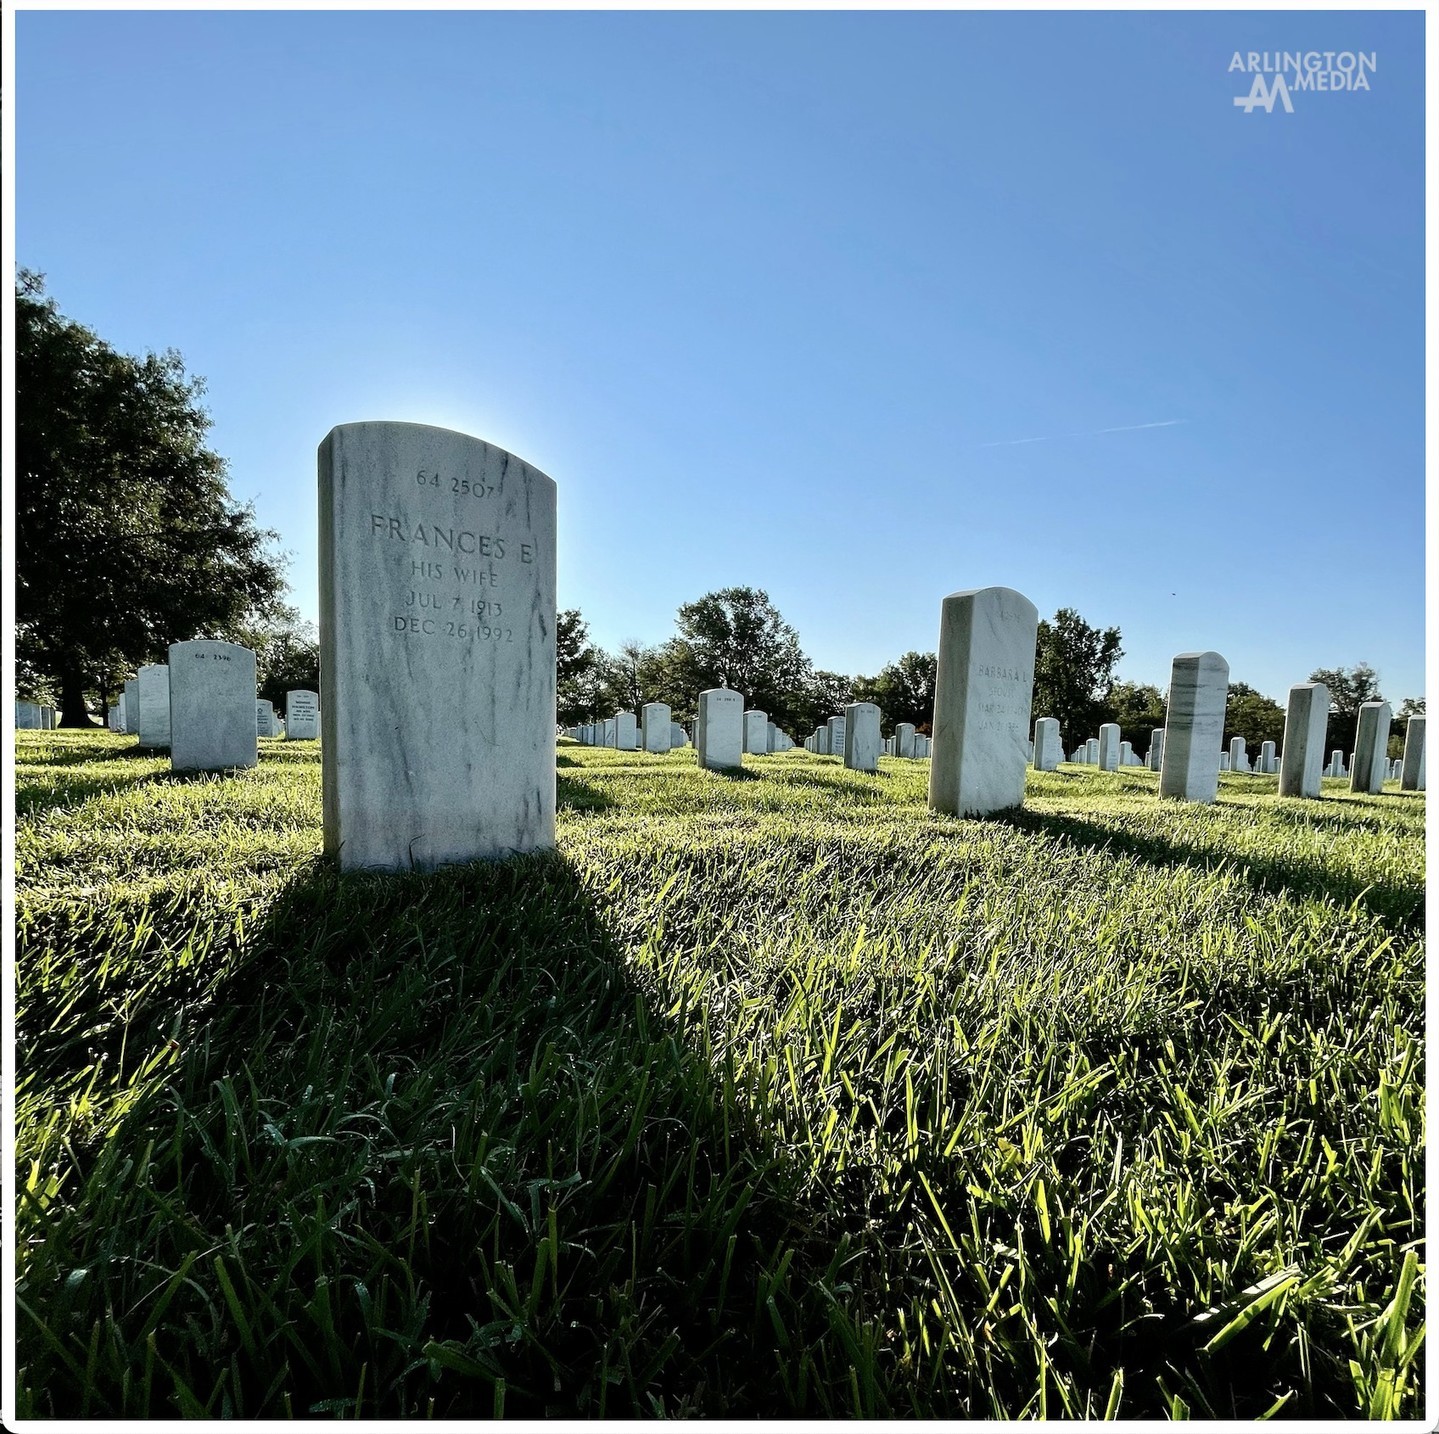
[576, 687]
[1254, 717]
[1073, 670]
[1349, 688]
[127, 538]
[902, 690]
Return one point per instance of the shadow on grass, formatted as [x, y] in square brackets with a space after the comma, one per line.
[74, 791]
[1389, 900]
[576, 794]
[431, 1146]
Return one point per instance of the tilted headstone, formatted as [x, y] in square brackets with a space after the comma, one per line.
[1411, 767]
[1047, 751]
[154, 680]
[437, 640]
[756, 732]
[627, 732]
[1371, 747]
[904, 739]
[302, 716]
[655, 726]
[861, 737]
[1305, 721]
[1194, 727]
[719, 729]
[212, 706]
[265, 718]
[1109, 747]
[981, 705]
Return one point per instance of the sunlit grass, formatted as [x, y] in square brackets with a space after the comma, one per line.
[772, 1094]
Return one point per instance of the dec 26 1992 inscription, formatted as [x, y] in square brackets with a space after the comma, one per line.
[437, 617]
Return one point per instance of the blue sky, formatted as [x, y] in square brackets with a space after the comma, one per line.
[773, 297]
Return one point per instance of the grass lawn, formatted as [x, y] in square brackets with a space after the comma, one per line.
[765, 1094]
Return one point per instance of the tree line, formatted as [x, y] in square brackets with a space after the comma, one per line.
[128, 540]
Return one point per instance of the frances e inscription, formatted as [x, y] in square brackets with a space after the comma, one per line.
[437, 652]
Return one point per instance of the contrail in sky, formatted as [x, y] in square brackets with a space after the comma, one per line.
[1092, 433]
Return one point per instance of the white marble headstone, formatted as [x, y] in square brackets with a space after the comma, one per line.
[1371, 747]
[302, 716]
[861, 736]
[655, 727]
[1109, 747]
[130, 706]
[1411, 765]
[756, 732]
[212, 706]
[154, 682]
[981, 705]
[719, 729]
[1194, 727]
[437, 641]
[265, 717]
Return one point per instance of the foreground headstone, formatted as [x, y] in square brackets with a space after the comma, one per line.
[1194, 727]
[154, 687]
[1371, 747]
[1109, 747]
[437, 640]
[1411, 766]
[861, 737]
[302, 716]
[212, 706]
[1301, 768]
[1047, 751]
[719, 729]
[981, 705]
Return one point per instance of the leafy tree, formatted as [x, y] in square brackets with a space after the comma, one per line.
[1073, 669]
[287, 653]
[822, 696]
[1139, 709]
[902, 690]
[1349, 688]
[576, 684]
[734, 638]
[628, 678]
[127, 536]
[1253, 716]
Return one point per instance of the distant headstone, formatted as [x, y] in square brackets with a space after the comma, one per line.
[212, 706]
[861, 737]
[437, 639]
[1371, 747]
[47, 718]
[981, 704]
[154, 680]
[655, 727]
[1194, 727]
[1047, 751]
[1126, 754]
[1238, 759]
[265, 718]
[678, 736]
[302, 716]
[131, 705]
[1156, 749]
[1224, 760]
[756, 732]
[904, 739]
[821, 740]
[1411, 768]
[719, 729]
[112, 720]
[1336, 762]
[1091, 751]
[836, 736]
[627, 732]
[27, 717]
[1266, 757]
[1109, 747]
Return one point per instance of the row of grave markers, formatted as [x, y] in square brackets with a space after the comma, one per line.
[437, 657]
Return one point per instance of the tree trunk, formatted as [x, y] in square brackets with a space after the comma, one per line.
[72, 700]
